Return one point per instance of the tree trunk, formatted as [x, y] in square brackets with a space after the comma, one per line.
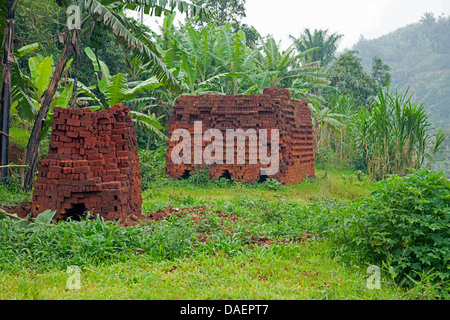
[5, 99]
[32, 150]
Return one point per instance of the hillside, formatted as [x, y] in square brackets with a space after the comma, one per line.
[419, 57]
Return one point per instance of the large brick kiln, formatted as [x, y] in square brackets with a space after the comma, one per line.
[274, 109]
[92, 165]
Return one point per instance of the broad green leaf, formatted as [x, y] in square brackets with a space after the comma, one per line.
[116, 89]
[188, 70]
[241, 35]
[64, 97]
[144, 86]
[45, 217]
[19, 53]
[99, 66]
[149, 124]
[33, 64]
[87, 91]
[44, 73]
[27, 107]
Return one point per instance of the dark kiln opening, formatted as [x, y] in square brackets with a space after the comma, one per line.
[77, 212]
[262, 178]
[226, 175]
[186, 174]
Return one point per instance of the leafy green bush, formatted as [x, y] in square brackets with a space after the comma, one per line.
[152, 165]
[271, 184]
[404, 224]
[200, 176]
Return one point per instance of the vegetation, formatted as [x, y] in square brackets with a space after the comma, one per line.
[373, 202]
[416, 55]
[402, 224]
[394, 135]
[325, 45]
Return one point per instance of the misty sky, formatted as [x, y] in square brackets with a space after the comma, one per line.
[371, 18]
[351, 18]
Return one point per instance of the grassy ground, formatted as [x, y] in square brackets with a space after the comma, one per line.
[289, 272]
[328, 183]
[260, 254]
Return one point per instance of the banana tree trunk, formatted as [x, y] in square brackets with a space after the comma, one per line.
[5, 99]
[32, 151]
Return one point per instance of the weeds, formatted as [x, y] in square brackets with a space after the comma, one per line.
[92, 242]
[404, 223]
[265, 221]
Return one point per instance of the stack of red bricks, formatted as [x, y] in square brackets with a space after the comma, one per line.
[274, 109]
[92, 165]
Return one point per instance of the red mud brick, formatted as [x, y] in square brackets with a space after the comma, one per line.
[274, 109]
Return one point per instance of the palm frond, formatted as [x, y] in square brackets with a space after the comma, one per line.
[139, 42]
[116, 89]
[149, 124]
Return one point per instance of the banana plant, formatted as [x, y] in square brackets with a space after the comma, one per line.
[210, 60]
[42, 221]
[325, 122]
[128, 31]
[28, 90]
[116, 89]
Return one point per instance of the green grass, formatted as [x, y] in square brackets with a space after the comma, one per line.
[280, 272]
[11, 194]
[20, 136]
[328, 183]
[169, 259]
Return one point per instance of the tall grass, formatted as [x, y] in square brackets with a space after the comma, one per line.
[395, 135]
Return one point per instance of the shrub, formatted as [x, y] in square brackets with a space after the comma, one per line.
[200, 176]
[271, 184]
[152, 165]
[404, 223]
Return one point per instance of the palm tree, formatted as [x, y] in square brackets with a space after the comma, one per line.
[324, 122]
[109, 13]
[428, 18]
[285, 69]
[325, 43]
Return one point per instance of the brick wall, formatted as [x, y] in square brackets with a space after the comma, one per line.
[92, 164]
[274, 109]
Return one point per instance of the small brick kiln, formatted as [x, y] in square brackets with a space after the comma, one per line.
[274, 109]
[92, 165]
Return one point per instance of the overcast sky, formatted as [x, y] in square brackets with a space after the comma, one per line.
[351, 18]
[371, 18]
